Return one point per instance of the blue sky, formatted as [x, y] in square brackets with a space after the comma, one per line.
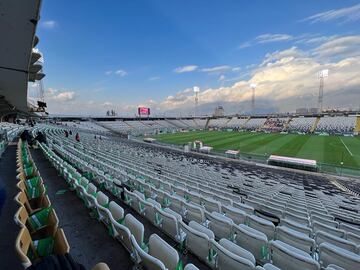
[125, 53]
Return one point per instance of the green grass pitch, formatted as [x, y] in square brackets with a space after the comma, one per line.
[324, 149]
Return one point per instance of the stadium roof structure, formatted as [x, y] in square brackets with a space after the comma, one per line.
[18, 61]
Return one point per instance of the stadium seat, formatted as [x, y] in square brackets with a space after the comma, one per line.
[149, 209]
[194, 212]
[288, 257]
[261, 225]
[90, 196]
[318, 226]
[198, 240]
[161, 255]
[136, 228]
[221, 225]
[34, 206]
[296, 226]
[246, 208]
[190, 266]
[237, 215]
[168, 222]
[231, 256]
[331, 254]
[176, 204]
[355, 238]
[25, 246]
[252, 240]
[101, 205]
[324, 237]
[193, 197]
[211, 205]
[295, 239]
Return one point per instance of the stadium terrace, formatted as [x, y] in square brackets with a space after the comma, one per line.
[211, 192]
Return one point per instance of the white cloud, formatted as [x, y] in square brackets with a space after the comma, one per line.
[49, 24]
[109, 72]
[343, 15]
[244, 45]
[236, 69]
[155, 78]
[59, 96]
[346, 46]
[267, 38]
[121, 72]
[222, 78]
[217, 69]
[107, 104]
[184, 69]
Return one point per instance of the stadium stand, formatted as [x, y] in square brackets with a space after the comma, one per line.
[255, 123]
[277, 221]
[336, 125]
[301, 124]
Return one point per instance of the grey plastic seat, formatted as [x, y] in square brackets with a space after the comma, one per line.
[296, 226]
[244, 207]
[136, 228]
[252, 240]
[211, 205]
[237, 215]
[194, 212]
[168, 222]
[177, 204]
[231, 256]
[288, 257]
[262, 225]
[317, 226]
[149, 209]
[295, 238]
[331, 254]
[322, 237]
[197, 240]
[221, 225]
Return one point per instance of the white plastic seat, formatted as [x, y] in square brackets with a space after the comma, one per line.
[90, 196]
[168, 222]
[325, 221]
[355, 238]
[296, 226]
[288, 257]
[349, 228]
[299, 219]
[331, 254]
[161, 255]
[237, 215]
[322, 237]
[81, 187]
[198, 240]
[252, 240]
[221, 225]
[190, 266]
[295, 238]
[193, 197]
[231, 256]
[246, 208]
[334, 267]
[262, 225]
[194, 212]
[136, 228]
[121, 233]
[211, 205]
[177, 204]
[101, 204]
[149, 209]
[317, 226]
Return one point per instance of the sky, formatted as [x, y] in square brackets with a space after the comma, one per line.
[121, 54]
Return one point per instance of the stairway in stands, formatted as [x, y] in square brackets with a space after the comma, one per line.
[207, 123]
[286, 125]
[313, 128]
[357, 125]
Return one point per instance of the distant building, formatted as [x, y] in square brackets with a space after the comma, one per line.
[219, 111]
[302, 111]
[313, 110]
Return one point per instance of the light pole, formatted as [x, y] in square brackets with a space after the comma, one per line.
[322, 75]
[253, 87]
[196, 91]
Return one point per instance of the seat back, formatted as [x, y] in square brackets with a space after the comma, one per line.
[176, 204]
[296, 226]
[262, 225]
[221, 225]
[237, 215]
[287, 257]
[136, 228]
[116, 211]
[322, 237]
[211, 205]
[296, 239]
[147, 260]
[228, 260]
[102, 199]
[252, 240]
[331, 254]
[169, 223]
[197, 239]
[194, 212]
[318, 226]
[161, 250]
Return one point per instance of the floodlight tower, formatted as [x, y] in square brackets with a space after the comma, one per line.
[253, 87]
[322, 75]
[196, 91]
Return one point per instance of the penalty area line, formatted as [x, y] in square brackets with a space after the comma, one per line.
[346, 147]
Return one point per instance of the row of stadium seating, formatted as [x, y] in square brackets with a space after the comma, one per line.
[40, 235]
[308, 221]
[331, 125]
[9, 131]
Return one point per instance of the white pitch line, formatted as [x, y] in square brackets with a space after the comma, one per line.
[347, 148]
